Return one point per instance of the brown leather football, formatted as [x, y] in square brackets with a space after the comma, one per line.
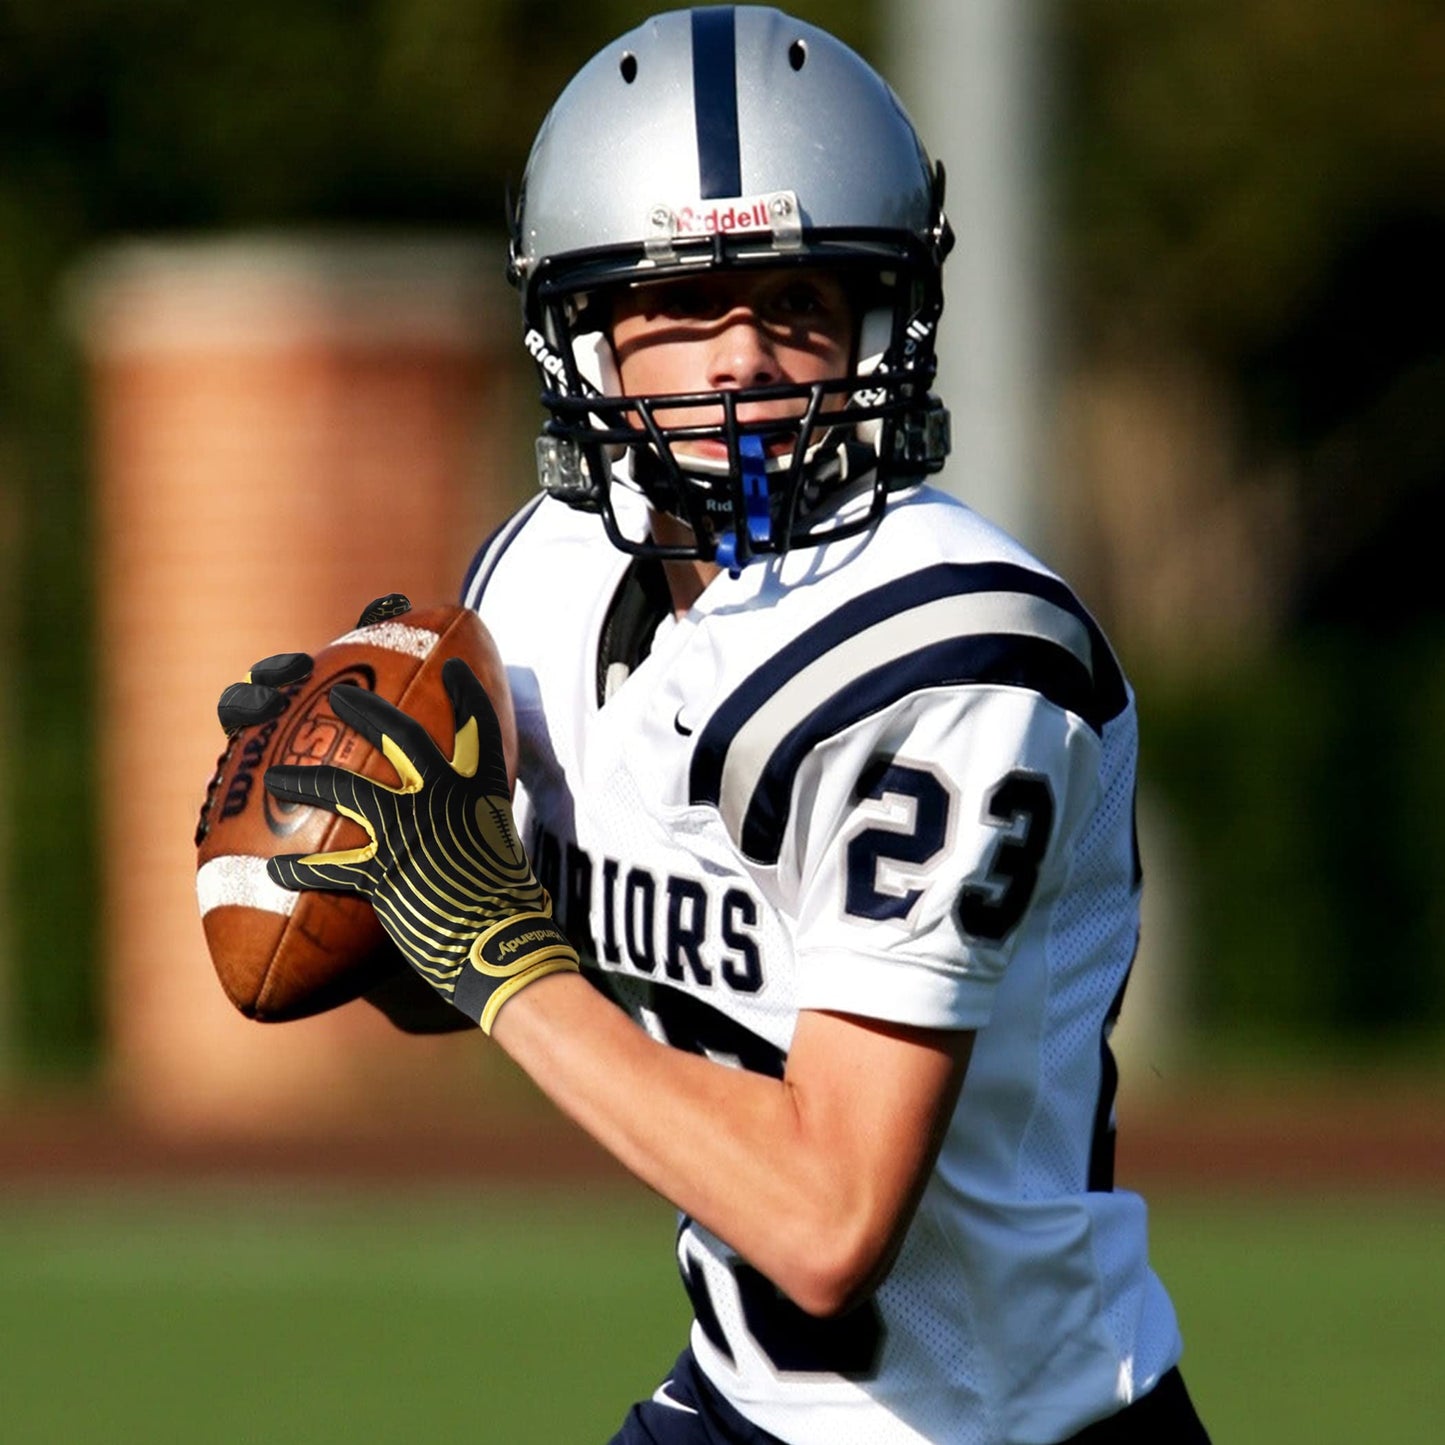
[283, 955]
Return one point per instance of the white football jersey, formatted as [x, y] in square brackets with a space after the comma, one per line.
[893, 777]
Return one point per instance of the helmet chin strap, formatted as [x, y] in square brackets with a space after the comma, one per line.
[838, 466]
[734, 552]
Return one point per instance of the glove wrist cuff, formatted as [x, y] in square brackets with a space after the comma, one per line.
[505, 959]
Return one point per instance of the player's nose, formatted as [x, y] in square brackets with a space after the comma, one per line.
[741, 353]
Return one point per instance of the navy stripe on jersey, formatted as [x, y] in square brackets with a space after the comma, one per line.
[948, 625]
[490, 553]
[1011, 661]
[715, 102]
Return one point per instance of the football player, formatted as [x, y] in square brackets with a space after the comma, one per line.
[826, 783]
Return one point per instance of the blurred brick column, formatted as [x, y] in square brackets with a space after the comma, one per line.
[282, 430]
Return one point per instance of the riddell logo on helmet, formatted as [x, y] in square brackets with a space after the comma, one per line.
[775, 214]
[544, 356]
[725, 217]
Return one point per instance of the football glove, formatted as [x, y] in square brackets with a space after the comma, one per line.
[260, 695]
[443, 866]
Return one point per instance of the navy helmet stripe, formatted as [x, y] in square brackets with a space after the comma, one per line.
[1028, 662]
[715, 102]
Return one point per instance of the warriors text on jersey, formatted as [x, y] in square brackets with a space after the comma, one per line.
[892, 777]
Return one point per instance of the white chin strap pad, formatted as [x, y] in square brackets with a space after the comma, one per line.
[596, 364]
[874, 335]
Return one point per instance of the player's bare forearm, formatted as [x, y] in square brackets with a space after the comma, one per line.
[812, 1178]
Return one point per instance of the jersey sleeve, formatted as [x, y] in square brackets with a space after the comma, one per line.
[911, 768]
[925, 843]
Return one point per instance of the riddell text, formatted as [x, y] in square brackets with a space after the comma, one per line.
[693, 222]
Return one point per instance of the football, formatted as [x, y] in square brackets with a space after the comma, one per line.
[282, 955]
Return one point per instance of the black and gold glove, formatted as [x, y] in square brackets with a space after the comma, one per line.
[260, 695]
[444, 868]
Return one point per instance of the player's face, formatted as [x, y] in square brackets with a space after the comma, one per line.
[724, 331]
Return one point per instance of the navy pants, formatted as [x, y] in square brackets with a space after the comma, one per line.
[687, 1410]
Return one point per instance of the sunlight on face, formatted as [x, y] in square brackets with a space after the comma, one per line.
[723, 331]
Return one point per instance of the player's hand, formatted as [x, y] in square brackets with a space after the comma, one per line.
[260, 695]
[444, 868]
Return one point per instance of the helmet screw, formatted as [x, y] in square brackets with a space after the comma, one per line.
[661, 217]
[781, 206]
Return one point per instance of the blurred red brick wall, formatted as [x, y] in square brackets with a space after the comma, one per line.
[282, 430]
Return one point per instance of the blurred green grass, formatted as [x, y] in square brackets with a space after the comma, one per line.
[199, 1317]
[317, 1316]
[1309, 1319]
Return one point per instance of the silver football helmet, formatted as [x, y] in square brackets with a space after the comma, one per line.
[730, 137]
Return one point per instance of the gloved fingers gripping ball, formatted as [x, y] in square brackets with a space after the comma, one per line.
[383, 609]
[259, 696]
[443, 865]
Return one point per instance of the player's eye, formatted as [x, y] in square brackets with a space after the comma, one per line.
[816, 304]
[687, 301]
[800, 300]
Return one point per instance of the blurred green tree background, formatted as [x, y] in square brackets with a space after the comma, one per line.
[1261, 186]
[1254, 187]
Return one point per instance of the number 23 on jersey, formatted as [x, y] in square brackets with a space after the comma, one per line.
[1020, 806]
